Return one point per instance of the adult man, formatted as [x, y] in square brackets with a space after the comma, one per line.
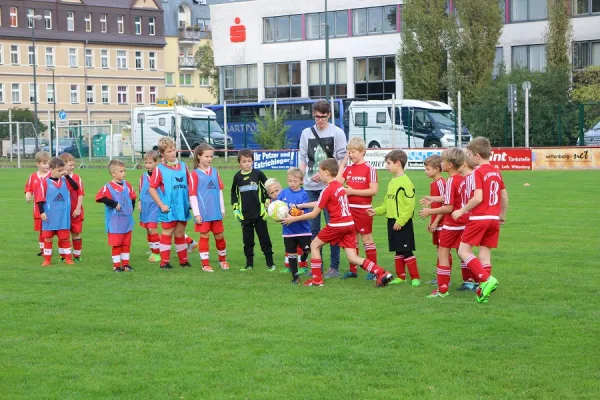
[321, 141]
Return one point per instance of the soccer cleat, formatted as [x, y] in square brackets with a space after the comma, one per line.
[185, 265]
[118, 269]
[77, 259]
[224, 265]
[61, 259]
[128, 268]
[415, 282]
[397, 281]
[192, 246]
[332, 273]
[46, 263]
[436, 294]
[248, 268]
[284, 270]
[466, 286]
[207, 268]
[486, 289]
[166, 266]
[69, 262]
[41, 253]
[371, 277]
[272, 268]
[349, 275]
[384, 279]
[303, 271]
[296, 281]
[313, 282]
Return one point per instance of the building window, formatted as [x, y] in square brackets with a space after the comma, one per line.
[73, 58]
[89, 58]
[122, 94]
[498, 62]
[185, 79]
[30, 20]
[14, 22]
[183, 16]
[74, 94]
[89, 94]
[338, 78]
[531, 57]
[105, 95]
[16, 93]
[70, 21]
[368, 21]
[204, 80]
[1, 93]
[103, 24]
[528, 10]
[50, 56]
[139, 94]
[121, 24]
[282, 29]
[169, 79]
[139, 61]
[14, 54]
[33, 94]
[241, 83]
[88, 22]
[104, 58]
[582, 7]
[138, 25]
[337, 21]
[153, 93]
[48, 19]
[282, 80]
[203, 24]
[32, 56]
[1, 54]
[50, 93]
[152, 61]
[586, 54]
[152, 26]
[121, 59]
[375, 77]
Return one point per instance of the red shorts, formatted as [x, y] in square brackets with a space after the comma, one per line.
[436, 237]
[63, 234]
[450, 238]
[149, 225]
[119, 239]
[37, 224]
[210, 226]
[76, 225]
[482, 232]
[363, 223]
[343, 236]
[172, 224]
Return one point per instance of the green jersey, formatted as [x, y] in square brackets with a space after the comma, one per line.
[399, 202]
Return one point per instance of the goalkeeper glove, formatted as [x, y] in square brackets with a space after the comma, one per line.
[238, 215]
[263, 212]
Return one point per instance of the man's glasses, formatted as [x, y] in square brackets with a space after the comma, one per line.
[321, 117]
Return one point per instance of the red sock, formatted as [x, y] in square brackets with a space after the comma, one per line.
[221, 249]
[466, 274]
[353, 266]
[125, 250]
[399, 263]
[188, 239]
[181, 249]
[443, 278]
[116, 256]
[165, 249]
[488, 268]
[474, 265]
[77, 245]
[315, 265]
[203, 247]
[48, 251]
[154, 242]
[65, 247]
[373, 268]
[413, 270]
[371, 252]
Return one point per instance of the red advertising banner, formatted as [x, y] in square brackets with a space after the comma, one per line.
[509, 159]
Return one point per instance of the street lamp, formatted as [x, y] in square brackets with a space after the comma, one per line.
[326, 54]
[35, 99]
[51, 69]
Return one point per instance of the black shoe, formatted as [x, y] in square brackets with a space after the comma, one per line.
[128, 268]
[118, 269]
[166, 266]
[41, 253]
[296, 281]
[384, 280]
[186, 264]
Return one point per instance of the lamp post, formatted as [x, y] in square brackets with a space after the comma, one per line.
[35, 98]
[51, 69]
[326, 54]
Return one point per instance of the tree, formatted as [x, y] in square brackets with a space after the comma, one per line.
[586, 90]
[472, 48]
[558, 34]
[20, 115]
[422, 57]
[205, 64]
[271, 130]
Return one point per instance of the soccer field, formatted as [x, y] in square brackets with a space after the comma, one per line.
[84, 332]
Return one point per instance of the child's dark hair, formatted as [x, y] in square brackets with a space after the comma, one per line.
[152, 155]
[322, 106]
[56, 163]
[330, 165]
[397, 156]
[433, 161]
[199, 150]
[245, 153]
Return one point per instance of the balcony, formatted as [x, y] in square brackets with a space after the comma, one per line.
[187, 62]
[193, 34]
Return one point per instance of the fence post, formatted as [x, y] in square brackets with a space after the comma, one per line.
[559, 125]
[142, 134]
[11, 134]
[506, 130]
[19, 146]
[581, 123]
[364, 123]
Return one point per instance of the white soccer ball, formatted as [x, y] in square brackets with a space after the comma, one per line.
[278, 210]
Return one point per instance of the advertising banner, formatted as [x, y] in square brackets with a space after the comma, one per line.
[376, 157]
[509, 159]
[277, 159]
[566, 158]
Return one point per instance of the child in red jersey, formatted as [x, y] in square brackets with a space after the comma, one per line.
[42, 159]
[340, 228]
[487, 208]
[76, 206]
[361, 186]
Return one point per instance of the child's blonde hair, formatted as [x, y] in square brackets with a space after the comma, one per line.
[114, 164]
[42, 156]
[165, 143]
[67, 157]
[152, 155]
[433, 161]
[455, 156]
[270, 182]
[295, 172]
[330, 165]
[480, 146]
[470, 162]
[358, 144]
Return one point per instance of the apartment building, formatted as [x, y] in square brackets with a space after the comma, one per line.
[94, 59]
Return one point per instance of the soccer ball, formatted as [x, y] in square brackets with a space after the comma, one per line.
[278, 210]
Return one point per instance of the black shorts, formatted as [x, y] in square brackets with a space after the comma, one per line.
[402, 240]
[291, 244]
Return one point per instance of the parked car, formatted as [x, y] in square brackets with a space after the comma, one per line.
[78, 152]
[29, 146]
[63, 143]
[591, 137]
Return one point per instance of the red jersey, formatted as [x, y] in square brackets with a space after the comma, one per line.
[193, 186]
[333, 199]
[360, 177]
[156, 180]
[76, 193]
[455, 187]
[104, 192]
[32, 186]
[489, 180]
[437, 188]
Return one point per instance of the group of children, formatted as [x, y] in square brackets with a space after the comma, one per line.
[465, 211]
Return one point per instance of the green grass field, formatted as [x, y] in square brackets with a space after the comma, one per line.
[84, 332]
